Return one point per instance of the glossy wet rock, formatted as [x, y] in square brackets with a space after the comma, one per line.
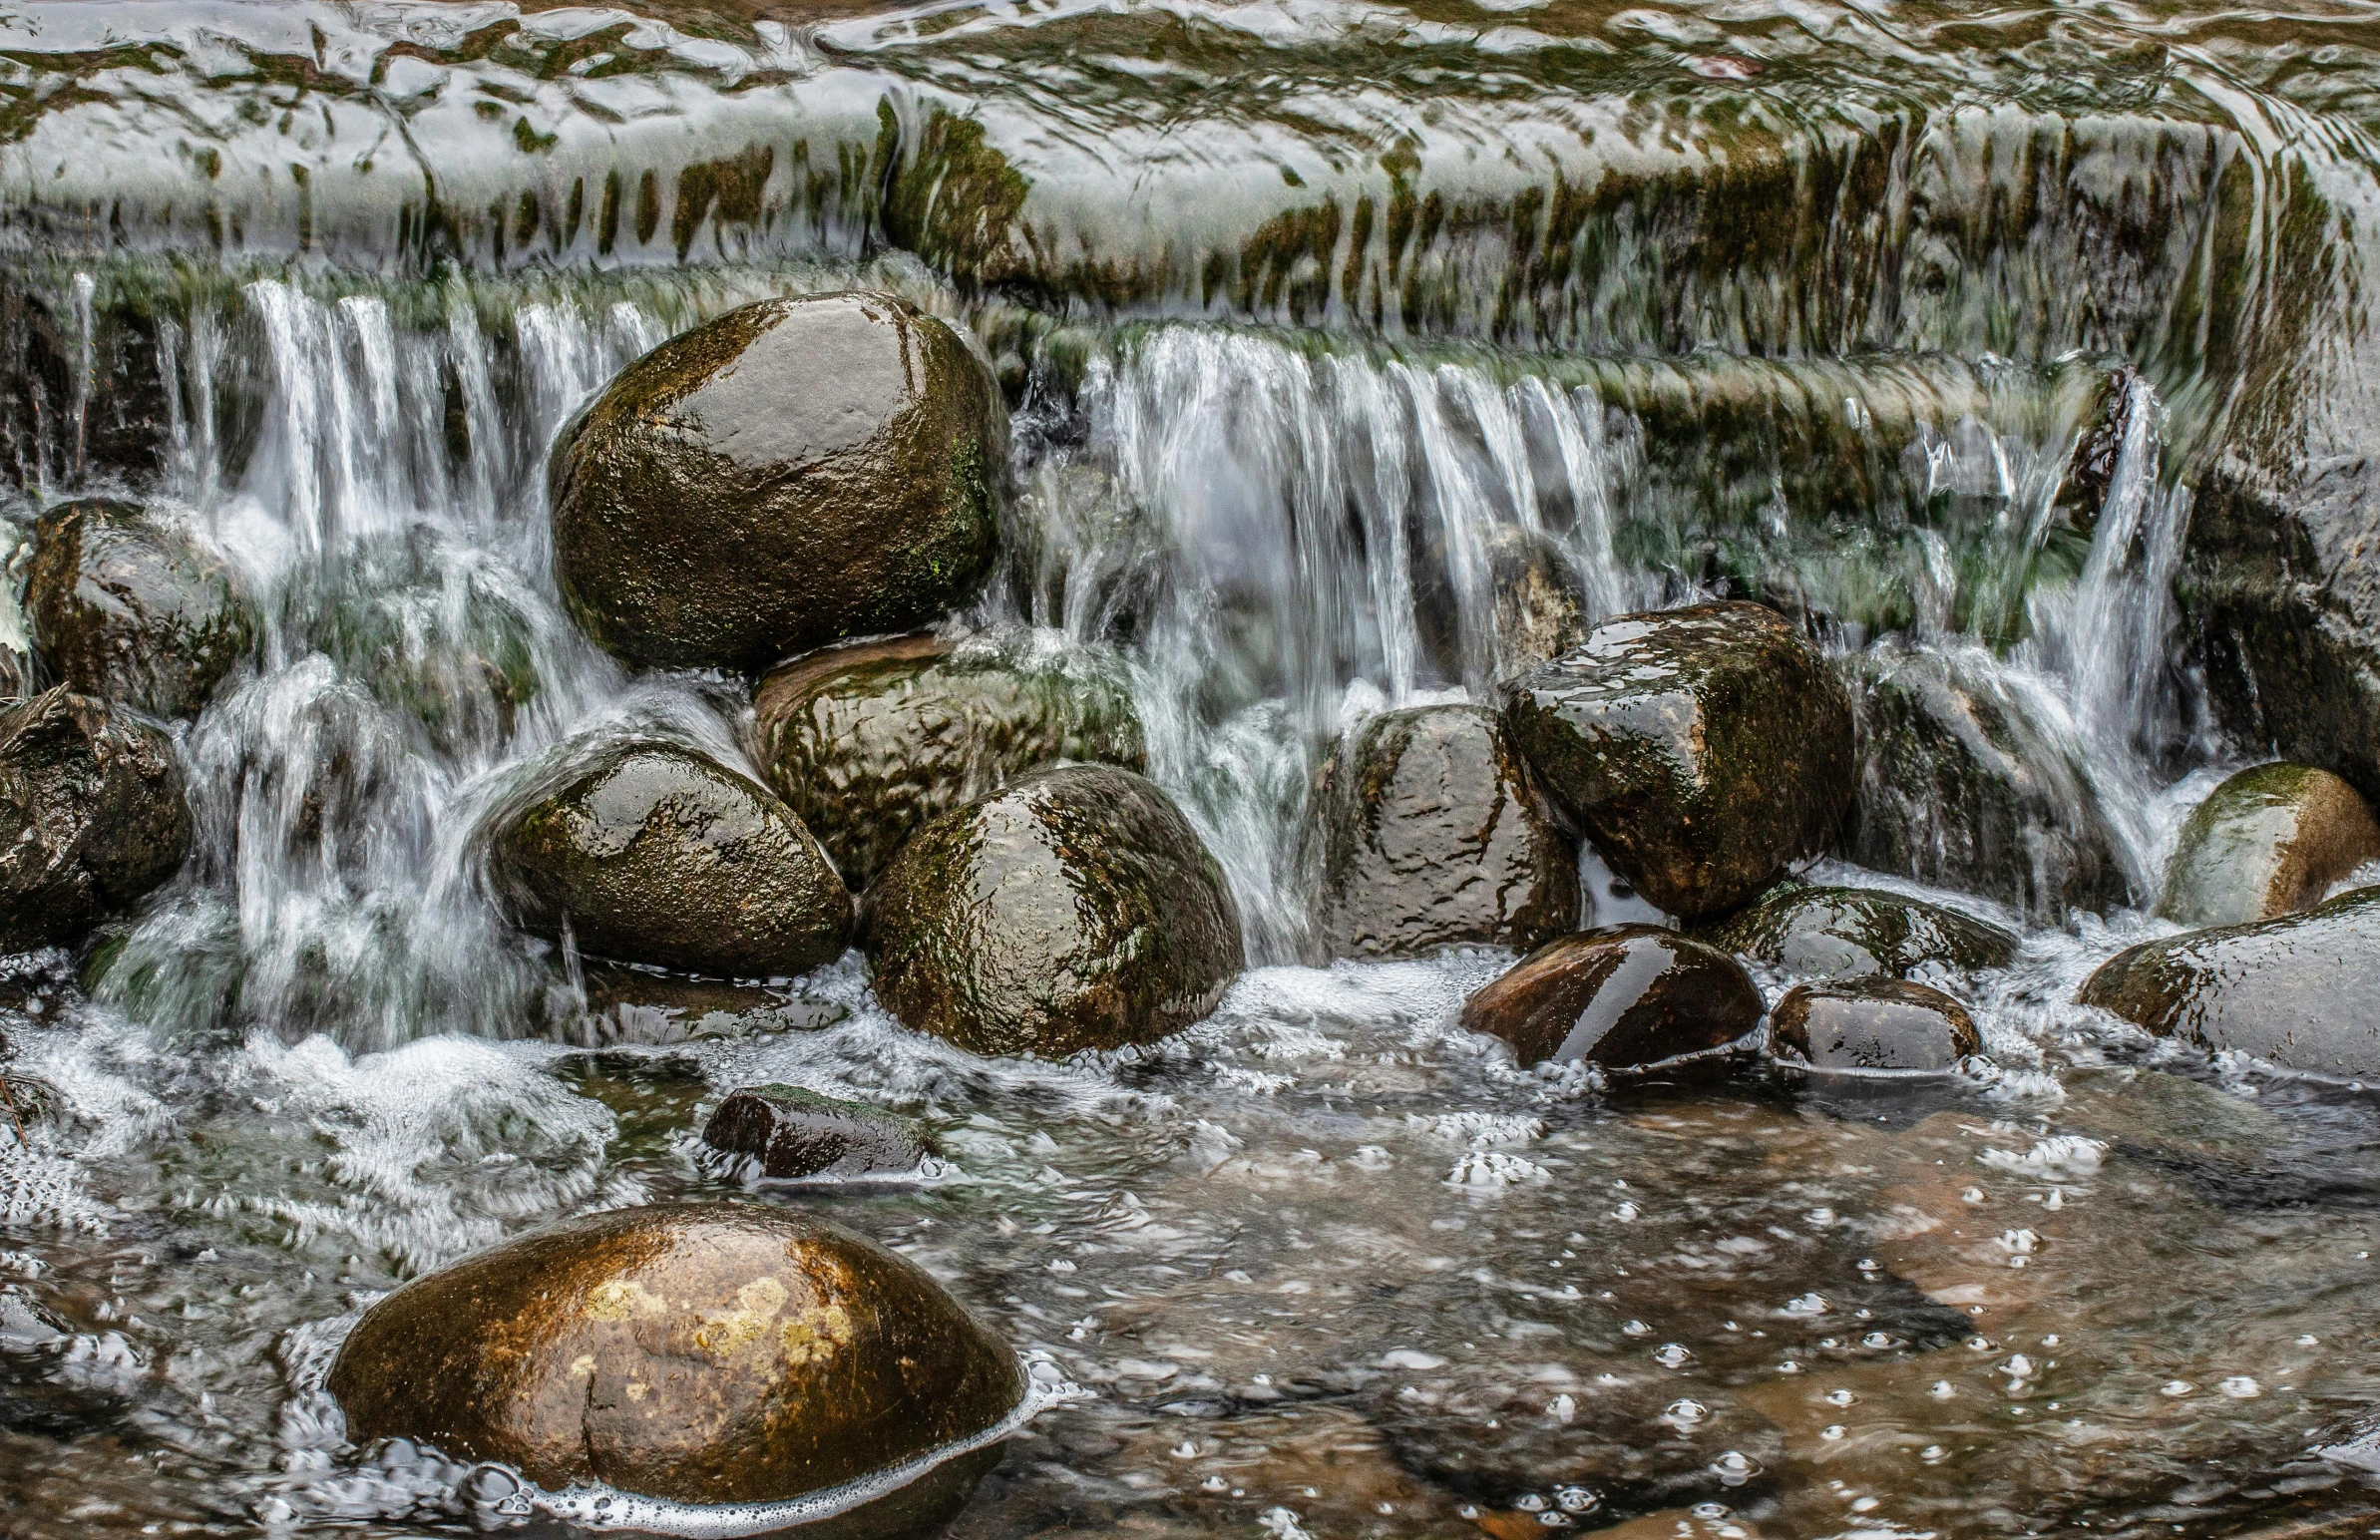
[93, 815]
[129, 608]
[2269, 841]
[792, 473]
[1434, 834]
[1537, 607]
[784, 1132]
[868, 743]
[1872, 1023]
[1703, 750]
[1851, 932]
[699, 1352]
[1074, 908]
[658, 854]
[1621, 997]
[623, 1003]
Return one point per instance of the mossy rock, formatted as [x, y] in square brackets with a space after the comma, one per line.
[1532, 609]
[2269, 841]
[793, 473]
[1854, 932]
[656, 854]
[1074, 908]
[869, 743]
[698, 1352]
[129, 608]
[1621, 997]
[1434, 835]
[787, 1133]
[1872, 1023]
[1703, 750]
[93, 815]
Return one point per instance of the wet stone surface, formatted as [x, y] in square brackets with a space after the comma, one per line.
[1852, 933]
[783, 1133]
[2270, 841]
[130, 609]
[1872, 1023]
[1620, 997]
[93, 815]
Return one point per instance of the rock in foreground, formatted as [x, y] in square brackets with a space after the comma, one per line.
[126, 607]
[786, 1133]
[789, 474]
[1623, 997]
[93, 815]
[1434, 835]
[1075, 909]
[2269, 841]
[699, 1352]
[1852, 932]
[1872, 1023]
[1703, 750]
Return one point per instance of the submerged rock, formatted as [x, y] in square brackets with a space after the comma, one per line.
[1536, 606]
[1872, 1023]
[2301, 991]
[1623, 997]
[2267, 842]
[1075, 909]
[786, 1132]
[628, 1003]
[869, 743]
[1703, 749]
[1851, 932]
[657, 854]
[1433, 834]
[698, 1352]
[129, 608]
[93, 815]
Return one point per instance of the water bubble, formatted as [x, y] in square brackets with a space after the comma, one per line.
[1635, 1328]
[1711, 1510]
[1811, 1304]
[1625, 1212]
[1733, 1468]
[1982, 1343]
[1576, 1499]
[1561, 1408]
[1876, 1340]
[1942, 1390]
[1555, 1519]
[1839, 1398]
[1789, 1366]
[1971, 1195]
[1832, 1431]
[1673, 1356]
[1529, 1502]
[1932, 1454]
[1185, 1450]
[2241, 1388]
[1684, 1413]
[2177, 1387]
[1214, 1483]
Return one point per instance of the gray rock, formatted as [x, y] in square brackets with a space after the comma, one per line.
[1872, 1023]
[1852, 933]
[93, 815]
[2269, 841]
[126, 607]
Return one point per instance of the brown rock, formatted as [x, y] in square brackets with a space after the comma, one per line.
[1872, 1023]
[2267, 842]
[1622, 996]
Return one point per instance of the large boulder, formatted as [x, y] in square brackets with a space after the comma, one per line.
[2269, 841]
[93, 815]
[792, 473]
[2301, 991]
[1622, 997]
[1703, 750]
[1872, 1025]
[128, 607]
[1433, 834]
[656, 854]
[870, 743]
[1525, 606]
[786, 1133]
[698, 1353]
[1074, 908]
[1852, 933]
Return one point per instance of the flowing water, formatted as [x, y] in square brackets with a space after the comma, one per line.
[1298, 303]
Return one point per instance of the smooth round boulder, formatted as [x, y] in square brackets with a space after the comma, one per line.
[93, 814]
[1532, 609]
[1074, 909]
[787, 1133]
[1622, 997]
[1435, 835]
[1854, 932]
[868, 743]
[2269, 841]
[694, 1353]
[795, 472]
[1872, 1023]
[126, 607]
[1703, 750]
[657, 854]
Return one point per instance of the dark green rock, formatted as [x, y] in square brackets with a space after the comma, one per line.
[126, 607]
[1534, 609]
[1854, 932]
[1074, 908]
[656, 854]
[870, 743]
[784, 1133]
[1622, 996]
[2269, 841]
[1872, 1023]
[790, 473]
[1703, 750]
[2301, 991]
[1434, 835]
[92, 816]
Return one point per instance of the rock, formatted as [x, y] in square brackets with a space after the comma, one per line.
[129, 608]
[656, 854]
[784, 1132]
[695, 1352]
[792, 473]
[1534, 602]
[1703, 749]
[869, 743]
[1433, 834]
[93, 815]
[1622, 996]
[623, 1003]
[1074, 908]
[2301, 991]
[1959, 788]
[1872, 1023]
[1852, 932]
[2267, 842]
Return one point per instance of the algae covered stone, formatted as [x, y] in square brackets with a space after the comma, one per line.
[128, 607]
[1872, 1023]
[93, 814]
[2269, 841]
[1074, 909]
[698, 1353]
[1621, 997]
[795, 472]
[657, 854]
[1850, 933]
